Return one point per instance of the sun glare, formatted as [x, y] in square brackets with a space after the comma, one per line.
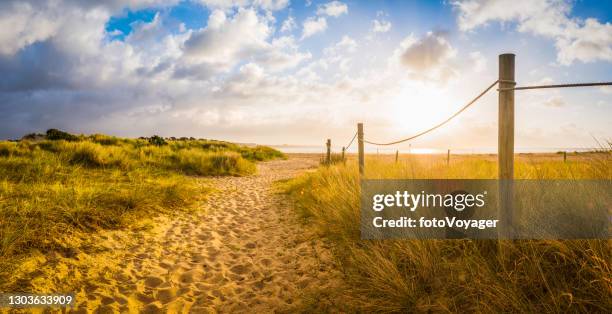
[417, 108]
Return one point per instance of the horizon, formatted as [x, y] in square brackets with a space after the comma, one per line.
[294, 72]
[416, 150]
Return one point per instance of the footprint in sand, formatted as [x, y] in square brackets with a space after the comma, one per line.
[234, 256]
[153, 282]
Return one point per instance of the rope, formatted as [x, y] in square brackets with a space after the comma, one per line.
[351, 142]
[441, 124]
[555, 86]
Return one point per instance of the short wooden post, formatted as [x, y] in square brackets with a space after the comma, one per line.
[343, 151]
[360, 148]
[505, 149]
[448, 157]
[328, 156]
[396, 156]
[564, 156]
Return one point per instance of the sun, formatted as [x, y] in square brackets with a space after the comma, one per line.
[419, 107]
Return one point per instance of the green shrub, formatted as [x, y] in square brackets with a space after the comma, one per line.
[33, 136]
[55, 134]
[157, 140]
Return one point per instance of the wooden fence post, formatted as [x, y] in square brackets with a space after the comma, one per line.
[360, 148]
[448, 157]
[343, 151]
[564, 156]
[396, 156]
[505, 149]
[328, 156]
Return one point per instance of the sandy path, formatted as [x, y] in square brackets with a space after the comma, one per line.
[246, 252]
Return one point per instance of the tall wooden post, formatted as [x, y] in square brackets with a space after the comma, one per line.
[360, 148]
[328, 156]
[343, 151]
[396, 156]
[564, 156]
[448, 157]
[505, 148]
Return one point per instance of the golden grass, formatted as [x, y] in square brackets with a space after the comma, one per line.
[457, 275]
[50, 190]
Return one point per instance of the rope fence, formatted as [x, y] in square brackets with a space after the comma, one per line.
[501, 81]
[351, 142]
[556, 86]
[440, 124]
[505, 149]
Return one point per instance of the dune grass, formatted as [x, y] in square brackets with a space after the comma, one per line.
[52, 189]
[456, 275]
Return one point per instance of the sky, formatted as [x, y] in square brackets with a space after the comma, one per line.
[299, 72]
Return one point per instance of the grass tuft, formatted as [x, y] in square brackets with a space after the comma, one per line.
[52, 189]
[457, 275]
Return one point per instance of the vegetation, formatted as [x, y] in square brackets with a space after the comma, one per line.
[157, 140]
[55, 134]
[456, 275]
[62, 185]
[333, 159]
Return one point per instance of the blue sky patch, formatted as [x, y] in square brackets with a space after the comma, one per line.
[120, 26]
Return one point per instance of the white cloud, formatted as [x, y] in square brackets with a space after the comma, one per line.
[575, 39]
[26, 22]
[346, 44]
[223, 81]
[556, 102]
[145, 34]
[590, 42]
[216, 19]
[283, 53]
[118, 32]
[288, 25]
[427, 58]
[226, 41]
[340, 54]
[224, 4]
[381, 26]
[273, 5]
[22, 25]
[79, 80]
[478, 61]
[334, 8]
[313, 25]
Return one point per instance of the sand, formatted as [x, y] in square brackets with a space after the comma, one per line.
[245, 251]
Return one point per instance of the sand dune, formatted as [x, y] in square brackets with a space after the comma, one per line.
[244, 252]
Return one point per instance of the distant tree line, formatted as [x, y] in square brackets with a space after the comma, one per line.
[56, 135]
